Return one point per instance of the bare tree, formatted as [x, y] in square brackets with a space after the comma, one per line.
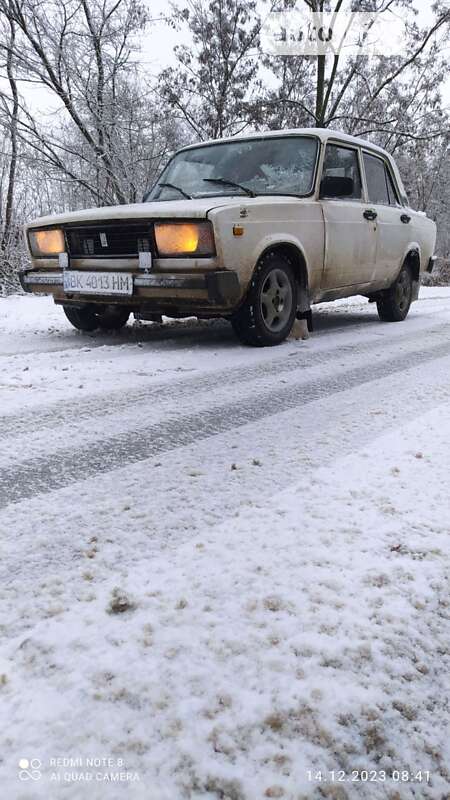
[80, 52]
[9, 232]
[107, 139]
[14, 115]
[392, 97]
[210, 85]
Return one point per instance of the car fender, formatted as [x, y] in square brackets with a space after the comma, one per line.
[277, 240]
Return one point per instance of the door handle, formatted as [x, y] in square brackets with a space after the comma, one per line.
[404, 218]
[370, 214]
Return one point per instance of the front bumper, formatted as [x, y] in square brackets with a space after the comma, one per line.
[217, 288]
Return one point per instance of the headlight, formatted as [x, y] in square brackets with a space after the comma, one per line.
[184, 239]
[47, 243]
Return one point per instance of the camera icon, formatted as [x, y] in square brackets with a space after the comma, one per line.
[30, 769]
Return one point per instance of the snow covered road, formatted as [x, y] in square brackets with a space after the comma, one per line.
[280, 515]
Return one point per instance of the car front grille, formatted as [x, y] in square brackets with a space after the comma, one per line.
[110, 240]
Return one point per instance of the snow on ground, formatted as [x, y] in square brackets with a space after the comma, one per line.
[245, 599]
[38, 363]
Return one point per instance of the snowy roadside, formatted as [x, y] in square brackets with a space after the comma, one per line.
[44, 360]
[308, 633]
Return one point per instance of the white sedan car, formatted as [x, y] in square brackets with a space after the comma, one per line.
[254, 229]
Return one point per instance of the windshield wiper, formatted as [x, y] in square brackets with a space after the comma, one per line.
[226, 182]
[172, 186]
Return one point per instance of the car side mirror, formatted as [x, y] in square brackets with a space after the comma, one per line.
[336, 186]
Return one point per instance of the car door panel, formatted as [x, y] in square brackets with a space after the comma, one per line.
[350, 238]
[393, 221]
[350, 245]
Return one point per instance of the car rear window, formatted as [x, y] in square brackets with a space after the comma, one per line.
[380, 185]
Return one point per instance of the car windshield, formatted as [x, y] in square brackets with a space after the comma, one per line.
[272, 165]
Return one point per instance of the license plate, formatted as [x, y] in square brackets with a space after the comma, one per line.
[97, 282]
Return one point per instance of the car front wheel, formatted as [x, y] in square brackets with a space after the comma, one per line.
[393, 305]
[89, 318]
[266, 316]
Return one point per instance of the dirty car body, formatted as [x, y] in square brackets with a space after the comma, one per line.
[254, 229]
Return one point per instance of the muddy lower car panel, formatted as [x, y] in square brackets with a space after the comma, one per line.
[211, 291]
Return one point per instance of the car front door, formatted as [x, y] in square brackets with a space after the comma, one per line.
[393, 221]
[350, 227]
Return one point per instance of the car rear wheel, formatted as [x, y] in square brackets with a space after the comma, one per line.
[268, 312]
[393, 304]
[89, 318]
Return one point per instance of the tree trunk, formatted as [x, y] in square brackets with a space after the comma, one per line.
[320, 90]
[13, 134]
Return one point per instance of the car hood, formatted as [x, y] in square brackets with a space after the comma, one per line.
[197, 208]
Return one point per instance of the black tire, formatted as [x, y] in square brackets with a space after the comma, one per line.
[268, 312]
[113, 318]
[394, 303]
[83, 319]
[90, 317]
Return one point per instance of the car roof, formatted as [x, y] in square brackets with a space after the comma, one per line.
[322, 133]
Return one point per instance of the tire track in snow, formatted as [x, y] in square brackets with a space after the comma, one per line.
[44, 474]
[69, 340]
[113, 402]
[183, 334]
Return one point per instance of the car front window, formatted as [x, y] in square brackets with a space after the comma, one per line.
[273, 165]
[343, 162]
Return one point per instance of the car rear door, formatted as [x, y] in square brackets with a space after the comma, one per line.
[350, 234]
[393, 220]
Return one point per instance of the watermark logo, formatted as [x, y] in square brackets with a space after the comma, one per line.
[300, 32]
[30, 769]
[76, 768]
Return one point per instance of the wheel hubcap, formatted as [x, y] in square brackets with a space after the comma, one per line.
[402, 291]
[276, 300]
